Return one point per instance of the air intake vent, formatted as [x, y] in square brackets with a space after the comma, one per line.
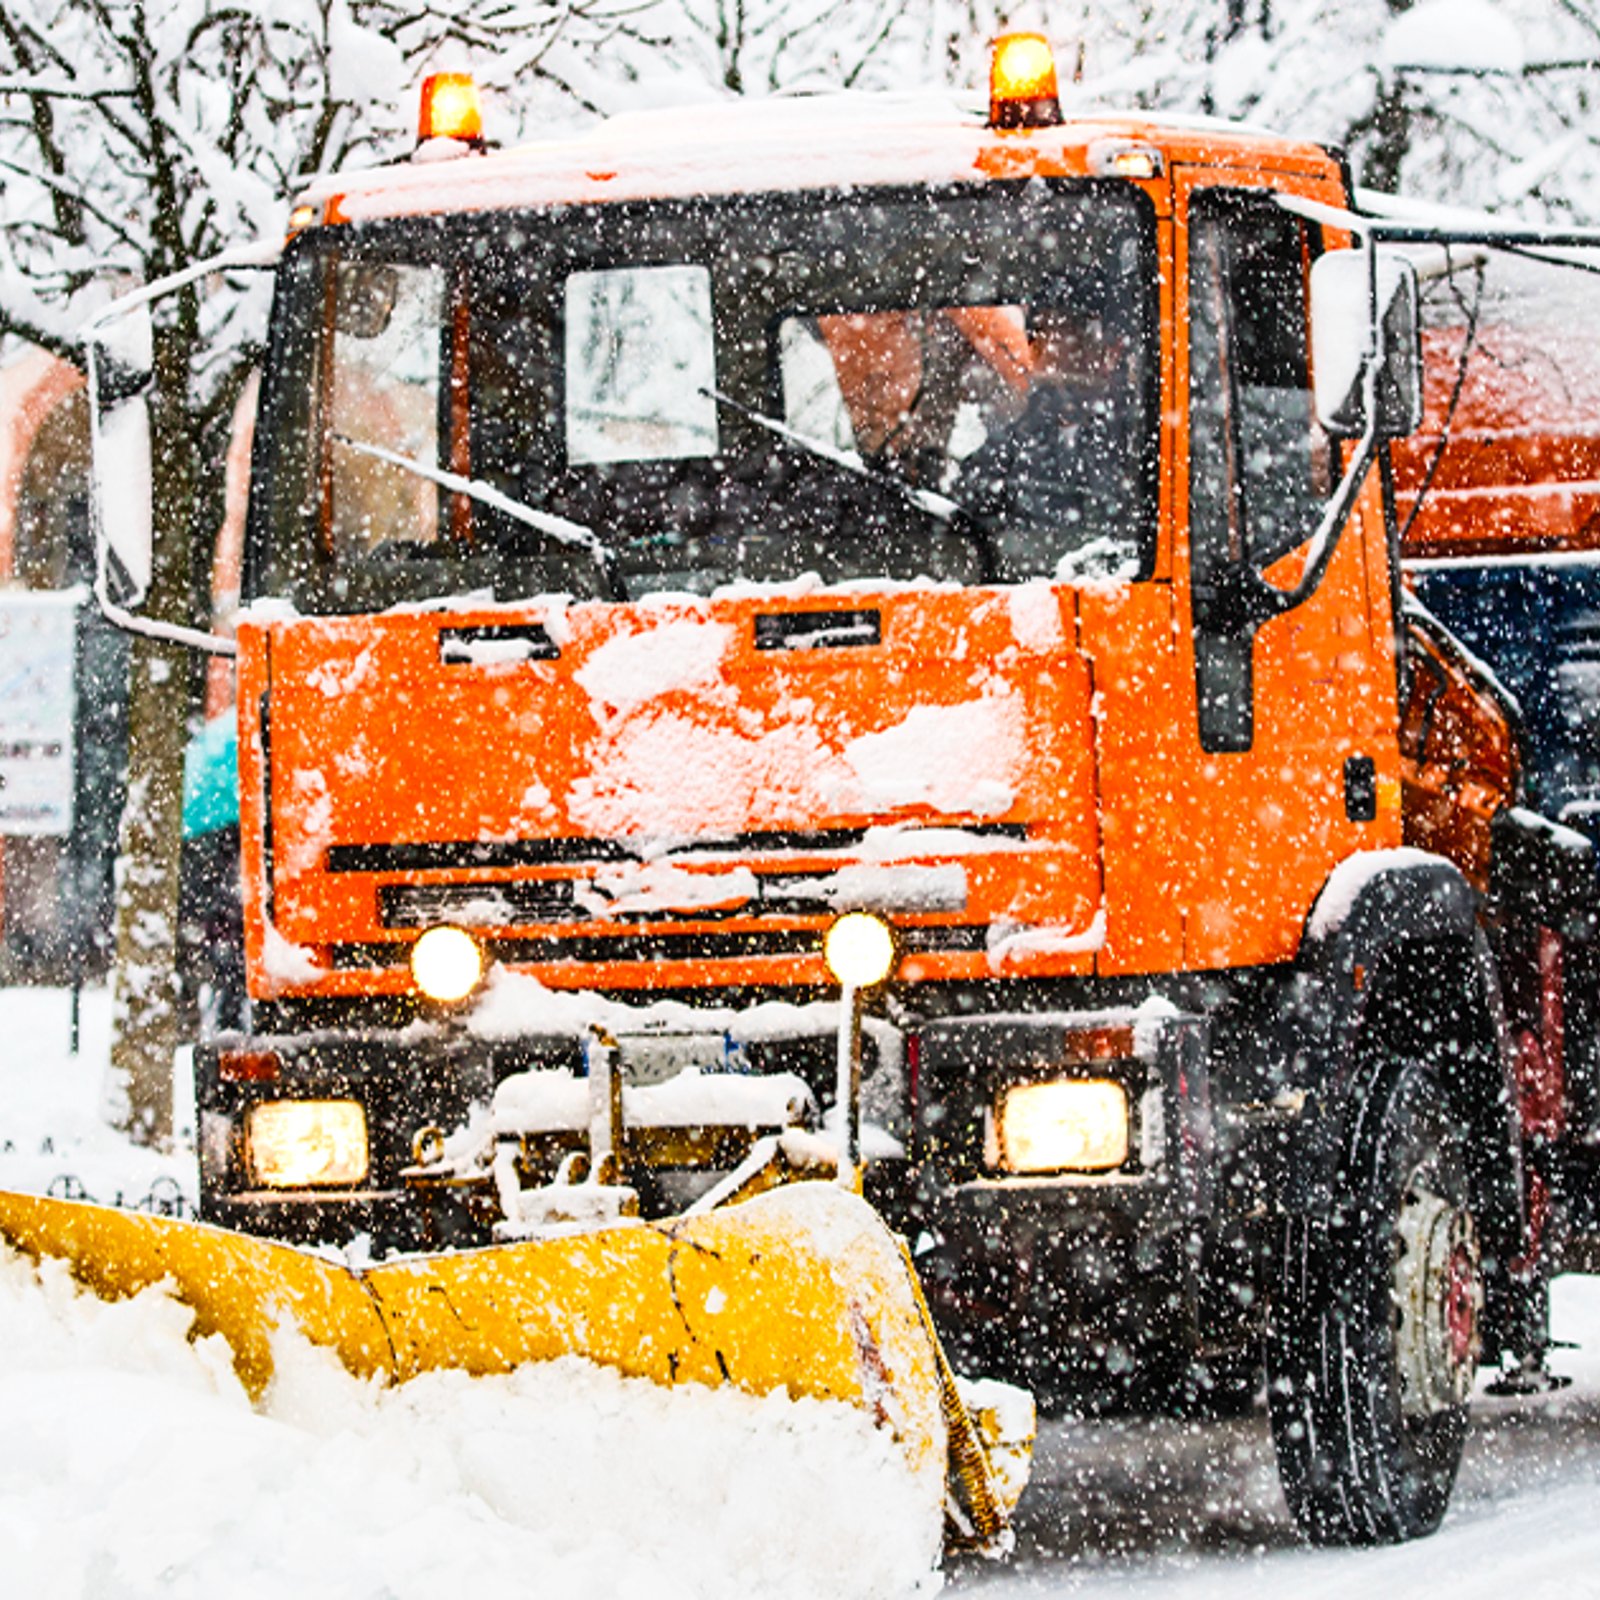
[478, 905]
[496, 644]
[818, 630]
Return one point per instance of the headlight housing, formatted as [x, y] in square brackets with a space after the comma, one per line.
[1062, 1125]
[447, 963]
[307, 1144]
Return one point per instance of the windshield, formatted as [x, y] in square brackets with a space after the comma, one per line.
[955, 385]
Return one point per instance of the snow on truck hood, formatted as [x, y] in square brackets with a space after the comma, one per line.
[685, 756]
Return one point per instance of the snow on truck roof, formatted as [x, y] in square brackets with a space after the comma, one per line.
[781, 143]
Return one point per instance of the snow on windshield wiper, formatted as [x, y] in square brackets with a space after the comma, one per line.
[936, 505]
[546, 522]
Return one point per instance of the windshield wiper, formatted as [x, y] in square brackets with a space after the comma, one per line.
[546, 522]
[936, 505]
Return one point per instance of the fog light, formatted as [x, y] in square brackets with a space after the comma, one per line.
[1067, 1125]
[306, 1144]
[447, 963]
[859, 949]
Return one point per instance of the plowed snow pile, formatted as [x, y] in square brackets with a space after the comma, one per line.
[132, 1464]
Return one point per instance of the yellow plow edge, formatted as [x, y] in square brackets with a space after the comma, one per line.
[801, 1289]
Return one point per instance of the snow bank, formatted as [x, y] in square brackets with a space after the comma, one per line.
[134, 1466]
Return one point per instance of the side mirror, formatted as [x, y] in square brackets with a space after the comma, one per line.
[1341, 335]
[121, 370]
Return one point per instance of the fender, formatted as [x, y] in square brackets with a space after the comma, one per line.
[1394, 961]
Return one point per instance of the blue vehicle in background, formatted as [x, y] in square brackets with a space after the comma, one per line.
[1536, 624]
[1499, 498]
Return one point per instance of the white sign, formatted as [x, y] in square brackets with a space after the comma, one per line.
[38, 633]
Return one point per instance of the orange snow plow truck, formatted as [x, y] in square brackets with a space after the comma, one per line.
[836, 673]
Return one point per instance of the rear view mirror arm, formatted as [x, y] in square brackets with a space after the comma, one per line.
[258, 253]
[1254, 600]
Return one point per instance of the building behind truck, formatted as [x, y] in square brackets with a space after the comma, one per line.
[668, 543]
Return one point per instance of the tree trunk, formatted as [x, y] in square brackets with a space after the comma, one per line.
[1389, 127]
[145, 990]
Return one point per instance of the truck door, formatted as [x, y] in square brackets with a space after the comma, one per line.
[1288, 711]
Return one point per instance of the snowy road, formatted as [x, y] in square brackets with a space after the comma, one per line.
[131, 1465]
[1193, 1512]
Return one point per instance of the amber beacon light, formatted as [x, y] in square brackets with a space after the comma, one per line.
[450, 108]
[1022, 83]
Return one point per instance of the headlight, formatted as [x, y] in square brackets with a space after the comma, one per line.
[447, 963]
[859, 949]
[304, 1144]
[1067, 1125]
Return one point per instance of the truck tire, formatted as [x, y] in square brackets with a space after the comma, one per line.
[1373, 1332]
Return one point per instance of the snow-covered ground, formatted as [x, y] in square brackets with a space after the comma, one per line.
[53, 1138]
[132, 1465]
[1154, 1508]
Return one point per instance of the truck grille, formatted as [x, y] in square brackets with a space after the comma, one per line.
[448, 855]
[642, 947]
[524, 902]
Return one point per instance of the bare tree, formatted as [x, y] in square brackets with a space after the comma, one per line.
[135, 141]
[1517, 130]
[140, 137]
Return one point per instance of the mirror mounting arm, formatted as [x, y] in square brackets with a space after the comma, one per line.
[215, 644]
[110, 385]
[1325, 541]
[1243, 599]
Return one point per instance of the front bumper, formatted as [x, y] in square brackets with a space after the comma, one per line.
[1026, 1276]
[1076, 1284]
[432, 1080]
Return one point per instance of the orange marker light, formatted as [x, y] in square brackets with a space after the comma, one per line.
[1022, 83]
[450, 108]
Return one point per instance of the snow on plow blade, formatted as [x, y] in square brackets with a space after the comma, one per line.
[802, 1289]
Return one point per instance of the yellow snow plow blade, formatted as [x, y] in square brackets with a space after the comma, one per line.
[800, 1289]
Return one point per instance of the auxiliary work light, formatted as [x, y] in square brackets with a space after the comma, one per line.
[859, 949]
[447, 963]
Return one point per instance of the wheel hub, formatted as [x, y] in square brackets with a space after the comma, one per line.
[1438, 1293]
